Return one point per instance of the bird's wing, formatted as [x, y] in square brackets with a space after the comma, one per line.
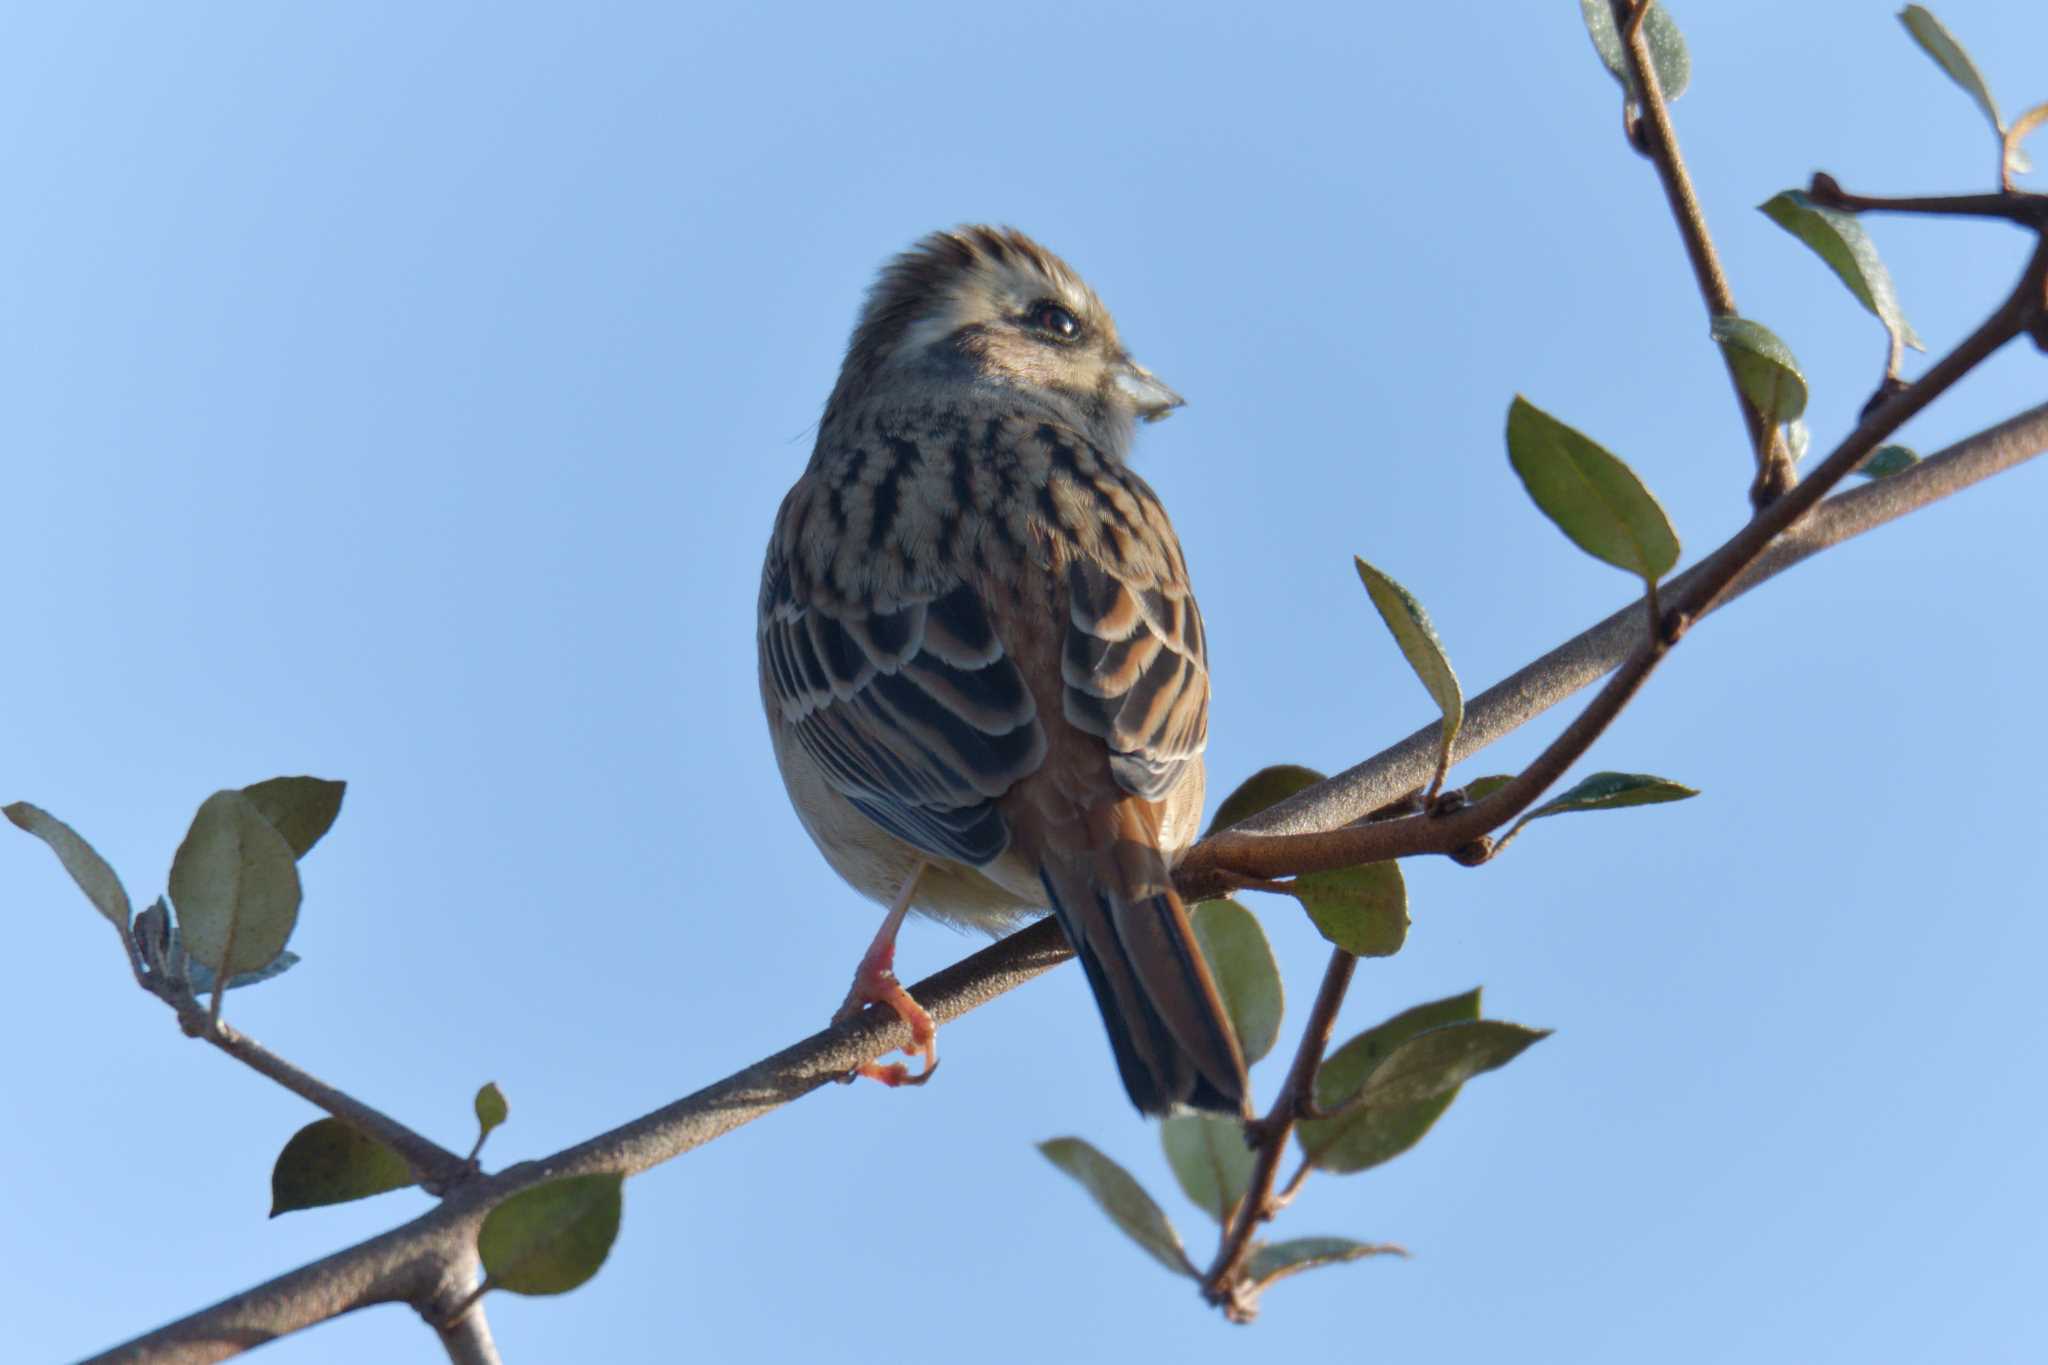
[1135, 664]
[1134, 700]
[912, 708]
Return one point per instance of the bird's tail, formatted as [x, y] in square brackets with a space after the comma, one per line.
[1116, 902]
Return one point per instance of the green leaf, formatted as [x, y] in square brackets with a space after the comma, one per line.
[1937, 42]
[1886, 461]
[1123, 1199]
[1266, 787]
[1246, 976]
[1363, 1136]
[1209, 1159]
[1277, 1260]
[1363, 910]
[1612, 791]
[1668, 57]
[1840, 240]
[553, 1237]
[300, 808]
[491, 1109]
[1593, 497]
[1479, 788]
[1764, 366]
[1437, 1062]
[328, 1162]
[235, 886]
[87, 868]
[1412, 631]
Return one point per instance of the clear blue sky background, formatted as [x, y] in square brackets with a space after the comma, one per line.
[401, 393]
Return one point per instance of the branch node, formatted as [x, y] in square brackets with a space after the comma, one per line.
[1890, 385]
[1823, 190]
[1635, 130]
[1475, 853]
[1450, 802]
[1773, 480]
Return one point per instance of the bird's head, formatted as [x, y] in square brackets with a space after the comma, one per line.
[984, 307]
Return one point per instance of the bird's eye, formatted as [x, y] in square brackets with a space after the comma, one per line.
[1054, 321]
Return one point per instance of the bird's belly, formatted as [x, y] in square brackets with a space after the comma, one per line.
[876, 863]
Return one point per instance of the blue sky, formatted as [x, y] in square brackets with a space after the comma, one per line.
[402, 394]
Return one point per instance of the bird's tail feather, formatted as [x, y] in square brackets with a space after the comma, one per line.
[1172, 1040]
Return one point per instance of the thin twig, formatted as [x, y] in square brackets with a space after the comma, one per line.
[456, 1313]
[2028, 210]
[1294, 1184]
[1223, 1285]
[1659, 142]
[468, 1339]
[430, 1161]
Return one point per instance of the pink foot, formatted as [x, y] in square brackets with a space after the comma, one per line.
[875, 983]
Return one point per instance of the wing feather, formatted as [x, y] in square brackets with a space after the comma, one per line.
[1136, 672]
[914, 712]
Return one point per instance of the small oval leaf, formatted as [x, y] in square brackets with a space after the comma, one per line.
[491, 1109]
[1209, 1159]
[1410, 626]
[1266, 787]
[1886, 461]
[1363, 910]
[235, 886]
[1668, 56]
[1764, 366]
[1363, 1136]
[328, 1162]
[1123, 1199]
[1277, 1260]
[1593, 497]
[300, 808]
[1438, 1061]
[1838, 239]
[1612, 791]
[553, 1237]
[87, 868]
[1937, 42]
[1241, 961]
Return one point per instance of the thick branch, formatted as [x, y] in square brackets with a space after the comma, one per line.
[416, 1262]
[410, 1263]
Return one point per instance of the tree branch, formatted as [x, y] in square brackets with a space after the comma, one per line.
[1223, 1285]
[434, 1164]
[408, 1262]
[2028, 210]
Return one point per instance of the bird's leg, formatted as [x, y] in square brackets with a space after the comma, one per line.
[875, 983]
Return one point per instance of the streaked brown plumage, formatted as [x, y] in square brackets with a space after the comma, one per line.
[983, 667]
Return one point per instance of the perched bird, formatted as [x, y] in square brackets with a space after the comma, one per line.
[982, 664]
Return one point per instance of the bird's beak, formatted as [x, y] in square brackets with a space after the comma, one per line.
[1152, 399]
